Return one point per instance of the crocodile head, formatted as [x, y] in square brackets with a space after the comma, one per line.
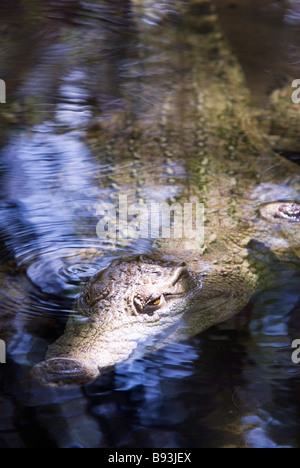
[134, 306]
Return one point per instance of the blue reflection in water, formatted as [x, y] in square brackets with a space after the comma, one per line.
[292, 16]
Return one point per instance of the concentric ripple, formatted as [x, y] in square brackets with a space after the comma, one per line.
[64, 270]
[61, 271]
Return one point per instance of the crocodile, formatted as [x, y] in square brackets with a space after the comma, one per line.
[141, 303]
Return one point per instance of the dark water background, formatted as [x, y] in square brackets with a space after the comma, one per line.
[234, 385]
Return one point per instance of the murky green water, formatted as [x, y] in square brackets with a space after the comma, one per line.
[69, 68]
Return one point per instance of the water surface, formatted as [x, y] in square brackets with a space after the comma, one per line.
[69, 68]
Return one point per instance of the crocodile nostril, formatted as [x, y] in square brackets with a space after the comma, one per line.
[281, 212]
[290, 211]
[61, 371]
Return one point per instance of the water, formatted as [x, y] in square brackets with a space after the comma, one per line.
[68, 68]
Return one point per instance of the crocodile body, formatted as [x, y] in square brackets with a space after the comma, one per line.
[202, 126]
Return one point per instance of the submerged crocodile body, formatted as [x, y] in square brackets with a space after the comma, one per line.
[251, 198]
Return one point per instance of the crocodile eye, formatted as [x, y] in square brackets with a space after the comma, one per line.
[155, 303]
[148, 307]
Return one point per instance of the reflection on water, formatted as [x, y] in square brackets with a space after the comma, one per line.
[71, 67]
[292, 16]
[265, 37]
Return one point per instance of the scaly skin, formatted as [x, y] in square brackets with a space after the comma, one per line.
[251, 224]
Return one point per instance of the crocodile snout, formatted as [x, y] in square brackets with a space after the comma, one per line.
[63, 371]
